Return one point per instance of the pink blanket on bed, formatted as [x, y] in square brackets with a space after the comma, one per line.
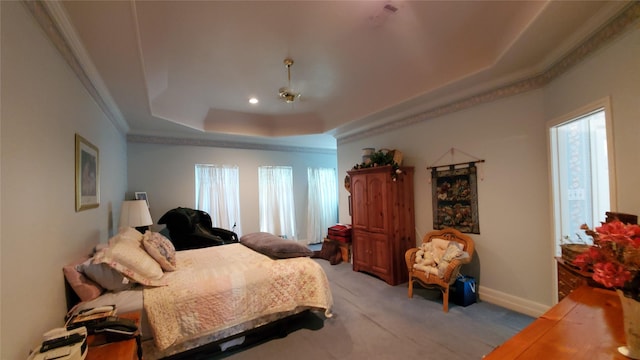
[221, 287]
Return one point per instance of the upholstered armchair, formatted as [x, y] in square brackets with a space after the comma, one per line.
[192, 229]
[447, 275]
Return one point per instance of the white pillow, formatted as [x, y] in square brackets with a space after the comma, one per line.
[133, 262]
[438, 248]
[127, 234]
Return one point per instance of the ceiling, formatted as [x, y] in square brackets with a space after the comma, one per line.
[188, 68]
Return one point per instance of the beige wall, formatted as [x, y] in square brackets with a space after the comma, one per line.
[514, 262]
[43, 106]
[167, 174]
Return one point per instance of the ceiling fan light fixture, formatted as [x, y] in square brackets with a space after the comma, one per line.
[285, 93]
[289, 97]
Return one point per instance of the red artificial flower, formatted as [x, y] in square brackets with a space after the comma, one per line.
[611, 274]
[619, 233]
[614, 256]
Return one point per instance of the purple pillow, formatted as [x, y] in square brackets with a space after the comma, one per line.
[273, 246]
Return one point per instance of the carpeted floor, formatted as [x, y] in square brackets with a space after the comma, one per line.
[373, 320]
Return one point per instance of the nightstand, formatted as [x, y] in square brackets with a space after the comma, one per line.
[130, 349]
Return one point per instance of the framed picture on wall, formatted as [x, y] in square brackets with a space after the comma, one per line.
[87, 174]
[142, 195]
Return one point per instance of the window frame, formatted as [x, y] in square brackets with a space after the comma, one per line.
[601, 104]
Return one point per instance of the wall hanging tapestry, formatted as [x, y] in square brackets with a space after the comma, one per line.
[455, 197]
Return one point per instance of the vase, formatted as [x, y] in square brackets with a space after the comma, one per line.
[631, 318]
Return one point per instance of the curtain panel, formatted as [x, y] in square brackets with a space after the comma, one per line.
[277, 212]
[218, 193]
[322, 203]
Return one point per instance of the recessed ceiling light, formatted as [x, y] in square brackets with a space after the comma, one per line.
[253, 100]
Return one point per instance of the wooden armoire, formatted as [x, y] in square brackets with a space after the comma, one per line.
[383, 222]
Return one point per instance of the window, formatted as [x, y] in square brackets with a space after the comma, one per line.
[322, 209]
[275, 198]
[583, 191]
[218, 193]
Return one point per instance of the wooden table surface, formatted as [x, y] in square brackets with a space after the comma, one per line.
[587, 324]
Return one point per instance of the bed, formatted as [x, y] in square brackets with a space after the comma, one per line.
[211, 295]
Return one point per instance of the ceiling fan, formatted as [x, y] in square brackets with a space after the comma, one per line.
[285, 93]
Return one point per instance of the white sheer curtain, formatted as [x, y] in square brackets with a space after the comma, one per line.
[277, 212]
[322, 209]
[218, 193]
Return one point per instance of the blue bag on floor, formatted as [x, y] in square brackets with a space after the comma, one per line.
[465, 291]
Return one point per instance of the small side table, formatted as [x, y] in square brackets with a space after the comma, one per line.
[130, 349]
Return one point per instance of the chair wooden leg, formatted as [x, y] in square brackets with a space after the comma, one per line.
[410, 288]
[445, 299]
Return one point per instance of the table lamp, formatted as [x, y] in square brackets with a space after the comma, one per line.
[135, 213]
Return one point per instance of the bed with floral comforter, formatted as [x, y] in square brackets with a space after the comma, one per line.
[221, 291]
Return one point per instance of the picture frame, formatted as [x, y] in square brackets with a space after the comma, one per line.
[142, 195]
[87, 174]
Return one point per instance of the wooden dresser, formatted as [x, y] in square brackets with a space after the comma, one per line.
[383, 221]
[587, 324]
[570, 278]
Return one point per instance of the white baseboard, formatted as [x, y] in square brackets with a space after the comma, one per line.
[511, 302]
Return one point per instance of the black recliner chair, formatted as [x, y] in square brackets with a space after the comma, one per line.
[192, 229]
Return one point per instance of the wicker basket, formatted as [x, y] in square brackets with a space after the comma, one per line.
[571, 251]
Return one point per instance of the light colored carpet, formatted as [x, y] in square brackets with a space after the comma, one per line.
[373, 320]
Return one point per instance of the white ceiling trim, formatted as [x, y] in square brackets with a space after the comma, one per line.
[225, 144]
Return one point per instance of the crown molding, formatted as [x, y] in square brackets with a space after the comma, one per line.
[618, 25]
[162, 140]
[53, 19]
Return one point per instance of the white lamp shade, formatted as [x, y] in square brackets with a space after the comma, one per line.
[135, 213]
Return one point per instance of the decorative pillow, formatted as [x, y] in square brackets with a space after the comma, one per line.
[160, 249]
[105, 276]
[127, 234]
[438, 248]
[273, 246]
[85, 288]
[453, 251]
[133, 262]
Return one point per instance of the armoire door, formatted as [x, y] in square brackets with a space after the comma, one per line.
[377, 207]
